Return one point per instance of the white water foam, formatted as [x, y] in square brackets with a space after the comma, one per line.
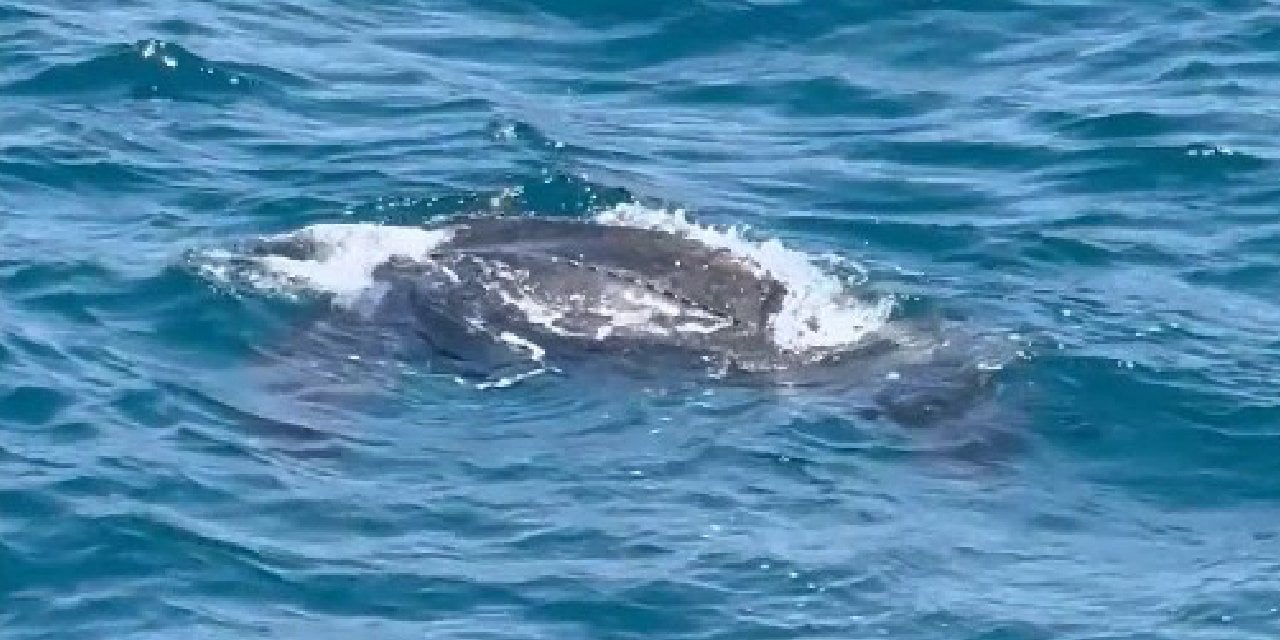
[343, 262]
[818, 312]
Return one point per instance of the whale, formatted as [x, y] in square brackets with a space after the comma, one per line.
[495, 300]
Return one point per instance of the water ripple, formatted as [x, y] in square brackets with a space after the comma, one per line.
[155, 69]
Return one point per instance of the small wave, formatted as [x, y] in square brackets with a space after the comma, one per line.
[14, 13]
[153, 69]
[1124, 124]
[33, 405]
[1120, 168]
[551, 193]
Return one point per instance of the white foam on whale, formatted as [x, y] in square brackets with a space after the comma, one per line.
[340, 262]
[818, 312]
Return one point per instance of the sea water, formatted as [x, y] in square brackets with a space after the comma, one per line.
[1088, 189]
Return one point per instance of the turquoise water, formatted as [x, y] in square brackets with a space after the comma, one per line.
[1091, 184]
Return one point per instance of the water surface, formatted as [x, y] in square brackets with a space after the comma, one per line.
[1091, 184]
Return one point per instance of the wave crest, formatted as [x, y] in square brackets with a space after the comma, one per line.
[153, 69]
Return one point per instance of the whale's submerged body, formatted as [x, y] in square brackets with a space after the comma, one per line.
[490, 295]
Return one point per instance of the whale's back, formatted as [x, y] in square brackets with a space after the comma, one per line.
[679, 269]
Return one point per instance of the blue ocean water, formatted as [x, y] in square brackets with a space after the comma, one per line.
[1093, 183]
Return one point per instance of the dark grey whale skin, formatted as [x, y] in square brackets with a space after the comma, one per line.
[570, 265]
[707, 277]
